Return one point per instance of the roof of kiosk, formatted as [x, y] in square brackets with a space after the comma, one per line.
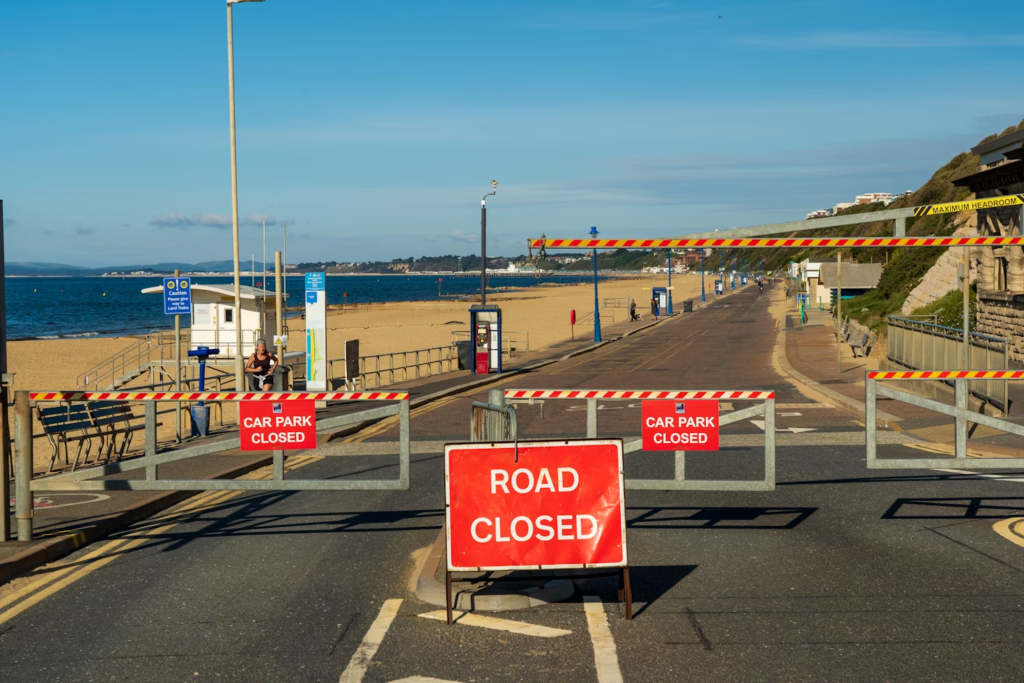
[226, 289]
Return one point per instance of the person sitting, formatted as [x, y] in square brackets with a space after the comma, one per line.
[261, 366]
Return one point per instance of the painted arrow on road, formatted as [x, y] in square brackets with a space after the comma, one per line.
[793, 430]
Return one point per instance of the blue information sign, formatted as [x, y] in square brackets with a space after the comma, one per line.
[177, 296]
[316, 282]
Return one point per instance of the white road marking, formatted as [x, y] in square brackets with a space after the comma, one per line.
[1000, 477]
[519, 627]
[790, 415]
[423, 679]
[605, 656]
[360, 661]
[792, 430]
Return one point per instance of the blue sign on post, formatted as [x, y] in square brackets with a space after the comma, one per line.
[177, 296]
[315, 282]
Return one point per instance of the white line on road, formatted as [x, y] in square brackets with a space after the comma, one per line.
[519, 627]
[422, 679]
[360, 661]
[605, 656]
[1001, 477]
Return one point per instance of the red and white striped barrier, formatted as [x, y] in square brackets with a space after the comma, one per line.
[780, 242]
[948, 374]
[217, 396]
[675, 395]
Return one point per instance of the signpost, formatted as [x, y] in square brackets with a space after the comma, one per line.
[316, 331]
[284, 425]
[680, 425]
[540, 505]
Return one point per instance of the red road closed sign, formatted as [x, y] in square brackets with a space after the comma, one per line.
[557, 504]
[277, 425]
[680, 425]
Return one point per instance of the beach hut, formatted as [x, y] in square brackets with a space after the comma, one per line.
[214, 319]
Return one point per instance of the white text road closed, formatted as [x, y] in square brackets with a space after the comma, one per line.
[281, 425]
[680, 425]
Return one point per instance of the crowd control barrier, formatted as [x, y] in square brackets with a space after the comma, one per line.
[489, 423]
[958, 411]
[765, 408]
[88, 479]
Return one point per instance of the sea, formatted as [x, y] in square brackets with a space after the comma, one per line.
[70, 307]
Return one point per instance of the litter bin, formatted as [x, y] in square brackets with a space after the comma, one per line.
[688, 306]
[200, 420]
[282, 378]
[465, 352]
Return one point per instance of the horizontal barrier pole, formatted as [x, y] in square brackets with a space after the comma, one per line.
[217, 396]
[780, 242]
[946, 374]
[49, 484]
[698, 485]
[638, 394]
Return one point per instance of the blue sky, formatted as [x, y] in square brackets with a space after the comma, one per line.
[373, 129]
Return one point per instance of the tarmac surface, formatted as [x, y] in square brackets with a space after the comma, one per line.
[841, 573]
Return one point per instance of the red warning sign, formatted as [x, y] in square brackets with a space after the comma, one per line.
[542, 505]
[680, 425]
[277, 425]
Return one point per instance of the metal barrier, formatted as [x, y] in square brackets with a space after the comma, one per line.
[923, 345]
[679, 482]
[490, 423]
[86, 479]
[958, 411]
[400, 366]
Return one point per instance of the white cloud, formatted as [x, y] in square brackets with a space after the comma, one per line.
[460, 236]
[209, 220]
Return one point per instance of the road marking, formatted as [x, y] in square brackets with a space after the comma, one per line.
[1011, 529]
[606, 658]
[790, 415]
[519, 627]
[363, 655]
[792, 430]
[985, 476]
[423, 679]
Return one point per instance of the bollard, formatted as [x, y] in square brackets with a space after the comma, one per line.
[496, 397]
[150, 438]
[23, 474]
[769, 443]
[403, 445]
[278, 465]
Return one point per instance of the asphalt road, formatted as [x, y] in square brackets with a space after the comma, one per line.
[839, 574]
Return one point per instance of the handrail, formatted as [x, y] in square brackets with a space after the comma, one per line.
[958, 331]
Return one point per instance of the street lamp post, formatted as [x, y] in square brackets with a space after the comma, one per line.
[239, 373]
[483, 242]
[597, 312]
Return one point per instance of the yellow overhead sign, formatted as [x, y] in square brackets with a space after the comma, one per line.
[973, 205]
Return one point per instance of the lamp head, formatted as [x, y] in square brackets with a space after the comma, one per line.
[593, 231]
[494, 184]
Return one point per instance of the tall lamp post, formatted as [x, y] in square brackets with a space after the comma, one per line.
[239, 373]
[597, 312]
[483, 242]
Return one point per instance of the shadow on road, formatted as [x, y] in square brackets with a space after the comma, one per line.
[717, 518]
[955, 508]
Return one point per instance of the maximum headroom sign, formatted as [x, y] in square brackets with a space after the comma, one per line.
[540, 505]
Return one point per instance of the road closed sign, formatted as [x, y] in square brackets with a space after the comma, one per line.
[680, 425]
[277, 425]
[542, 505]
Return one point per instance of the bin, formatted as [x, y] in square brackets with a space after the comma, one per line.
[688, 306]
[465, 352]
[200, 420]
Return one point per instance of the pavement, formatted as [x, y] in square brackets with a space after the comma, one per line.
[841, 573]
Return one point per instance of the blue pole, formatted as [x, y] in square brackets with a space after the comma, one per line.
[670, 282]
[702, 296]
[597, 312]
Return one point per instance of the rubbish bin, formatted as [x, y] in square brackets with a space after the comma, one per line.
[200, 420]
[688, 306]
[465, 352]
[282, 378]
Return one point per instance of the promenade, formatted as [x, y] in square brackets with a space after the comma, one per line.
[840, 572]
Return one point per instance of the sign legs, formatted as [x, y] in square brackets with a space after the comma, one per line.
[448, 594]
[625, 592]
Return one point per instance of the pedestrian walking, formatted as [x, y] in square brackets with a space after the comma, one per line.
[632, 310]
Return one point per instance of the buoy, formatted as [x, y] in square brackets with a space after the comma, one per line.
[104, 293]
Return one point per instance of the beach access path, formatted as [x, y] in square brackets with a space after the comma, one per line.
[840, 572]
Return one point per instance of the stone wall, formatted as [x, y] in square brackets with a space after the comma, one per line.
[1002, 315]
[1001, 305]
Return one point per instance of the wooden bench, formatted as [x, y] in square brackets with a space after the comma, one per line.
[82, 422]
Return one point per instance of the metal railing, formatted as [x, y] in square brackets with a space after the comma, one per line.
[128, 363]
[384, 369]
[89, 479]
[958, 411]
[679, 482]
[921, 345]
[490, 423]
[512, 343]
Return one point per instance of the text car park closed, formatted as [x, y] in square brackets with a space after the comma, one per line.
[285, 425]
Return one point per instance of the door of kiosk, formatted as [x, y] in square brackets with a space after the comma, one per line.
[485, 328]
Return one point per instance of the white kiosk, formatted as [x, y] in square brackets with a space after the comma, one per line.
[214, 319]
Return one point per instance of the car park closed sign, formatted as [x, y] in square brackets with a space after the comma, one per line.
[680, 425]
[277, 425]
[540, 505]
